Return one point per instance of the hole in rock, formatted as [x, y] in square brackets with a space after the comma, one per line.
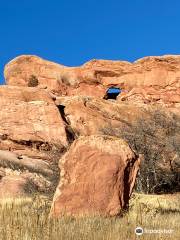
[112, 93]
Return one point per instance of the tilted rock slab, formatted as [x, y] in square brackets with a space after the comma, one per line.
[90, 116]
[13, 186]
[97, 175]
[8, 158]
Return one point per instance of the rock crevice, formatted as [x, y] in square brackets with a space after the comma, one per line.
[51, 113]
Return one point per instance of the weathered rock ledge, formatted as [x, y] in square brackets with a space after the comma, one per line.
[51, 113]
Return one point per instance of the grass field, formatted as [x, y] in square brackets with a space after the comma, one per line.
[28, 219]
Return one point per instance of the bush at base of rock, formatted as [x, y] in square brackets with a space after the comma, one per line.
[157, 138]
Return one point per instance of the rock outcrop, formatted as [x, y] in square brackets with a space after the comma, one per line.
[156, 125]
[89, 116]
[97, 177]
[96, 76]
[51, 113]
[30, 116]
[14, 186]
[32, 133]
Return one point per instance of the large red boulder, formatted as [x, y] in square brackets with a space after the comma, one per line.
[97, 175]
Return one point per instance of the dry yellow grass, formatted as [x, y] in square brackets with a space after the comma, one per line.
[27, 219]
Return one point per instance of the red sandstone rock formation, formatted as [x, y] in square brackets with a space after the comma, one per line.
[97, 177]
[94, 77]
[89, 116]
[46, 106]
[32, 128]
[13, 186]
[29, 115]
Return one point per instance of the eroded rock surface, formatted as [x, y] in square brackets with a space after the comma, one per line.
[88, 116]
[30, 116]
[48, 110]
[14, 186]
[32, 134]
[96, 76]
[97, 177]
[157, 126]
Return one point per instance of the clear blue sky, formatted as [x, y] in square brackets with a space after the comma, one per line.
[72, 32]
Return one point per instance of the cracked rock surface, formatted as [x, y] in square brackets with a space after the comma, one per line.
[55, 119]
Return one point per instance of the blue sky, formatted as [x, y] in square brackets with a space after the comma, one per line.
[72, 32]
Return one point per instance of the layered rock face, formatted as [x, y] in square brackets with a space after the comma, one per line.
[50, 113]
[158, 76]
[32, 135]
[27, 117]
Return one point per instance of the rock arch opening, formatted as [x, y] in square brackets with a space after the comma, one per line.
[112, 93]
